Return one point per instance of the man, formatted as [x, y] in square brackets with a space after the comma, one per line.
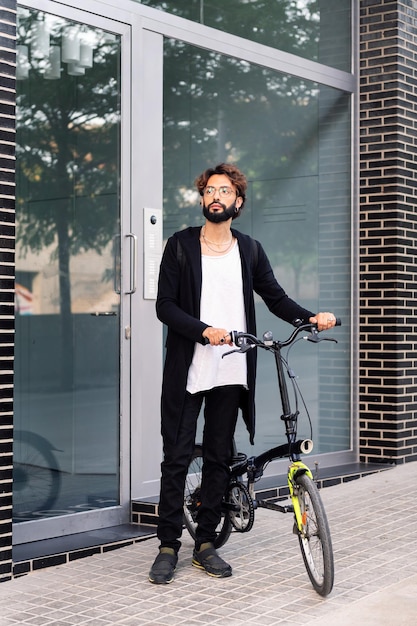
[206, 284]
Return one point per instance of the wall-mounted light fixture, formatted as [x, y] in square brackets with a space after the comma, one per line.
[40, 40]
[53, 67]
[22, 62]
[45, 47]
[71, 45]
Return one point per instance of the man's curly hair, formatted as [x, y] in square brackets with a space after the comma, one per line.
[235, 176]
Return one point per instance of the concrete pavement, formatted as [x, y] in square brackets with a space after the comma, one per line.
[374, 529]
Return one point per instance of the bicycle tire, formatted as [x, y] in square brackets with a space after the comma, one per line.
[192, 502]
[36, 477]
[315, 540]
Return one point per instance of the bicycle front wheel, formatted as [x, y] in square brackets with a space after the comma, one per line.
[192, 501]
[315, 540]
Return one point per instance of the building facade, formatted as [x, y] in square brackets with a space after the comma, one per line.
[107, 115]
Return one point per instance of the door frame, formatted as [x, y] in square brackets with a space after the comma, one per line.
[156, 25]
[47, 528]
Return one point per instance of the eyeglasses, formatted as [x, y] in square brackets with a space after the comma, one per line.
[224, 192]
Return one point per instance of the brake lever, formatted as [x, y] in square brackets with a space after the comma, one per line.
[329, 339]
[244, 348]
[316, 339]
[231, 352]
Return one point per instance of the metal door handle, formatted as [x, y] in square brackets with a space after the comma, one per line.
[116, 264]
[133, 263]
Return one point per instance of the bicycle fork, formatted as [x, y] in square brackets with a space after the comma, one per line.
[296, 468]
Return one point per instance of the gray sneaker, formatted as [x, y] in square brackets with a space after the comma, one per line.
[163, 568]
[211, 562]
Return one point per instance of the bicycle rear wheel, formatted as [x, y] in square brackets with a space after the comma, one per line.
[192, 501]
[315, 540]
[36, 475]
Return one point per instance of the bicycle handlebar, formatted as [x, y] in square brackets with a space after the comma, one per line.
[246, 341]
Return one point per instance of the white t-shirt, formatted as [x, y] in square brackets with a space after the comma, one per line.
[221, 306]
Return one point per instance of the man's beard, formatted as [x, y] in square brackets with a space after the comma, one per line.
[223, 216]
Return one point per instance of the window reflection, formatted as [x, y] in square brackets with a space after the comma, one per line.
[67, 267]
[315, 30]
[68, 120]
[291, 137]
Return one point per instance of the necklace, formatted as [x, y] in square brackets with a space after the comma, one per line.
[207, 241]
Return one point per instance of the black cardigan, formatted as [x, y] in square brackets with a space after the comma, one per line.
[178, 306]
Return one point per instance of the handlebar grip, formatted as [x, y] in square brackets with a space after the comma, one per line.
[338, 321]
[234, 335]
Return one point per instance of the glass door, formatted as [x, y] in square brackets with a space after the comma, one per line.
[286, 206]
[70, 302]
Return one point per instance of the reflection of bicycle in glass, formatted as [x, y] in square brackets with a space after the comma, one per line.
[36, 474]
[240, 501]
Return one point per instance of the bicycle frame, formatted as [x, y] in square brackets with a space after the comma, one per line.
[254, 466]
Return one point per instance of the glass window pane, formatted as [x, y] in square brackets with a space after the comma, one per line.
[291, 138]
[67, 301]
[319, 30]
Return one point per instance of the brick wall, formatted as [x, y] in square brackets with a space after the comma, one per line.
[388, 261]
[7, 138]
[334, 260]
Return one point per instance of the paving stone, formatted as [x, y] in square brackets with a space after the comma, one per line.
[374, 533]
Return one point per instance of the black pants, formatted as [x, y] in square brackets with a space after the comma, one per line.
[220, 416]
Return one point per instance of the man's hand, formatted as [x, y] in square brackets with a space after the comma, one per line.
[324, 320]
[217, 336]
